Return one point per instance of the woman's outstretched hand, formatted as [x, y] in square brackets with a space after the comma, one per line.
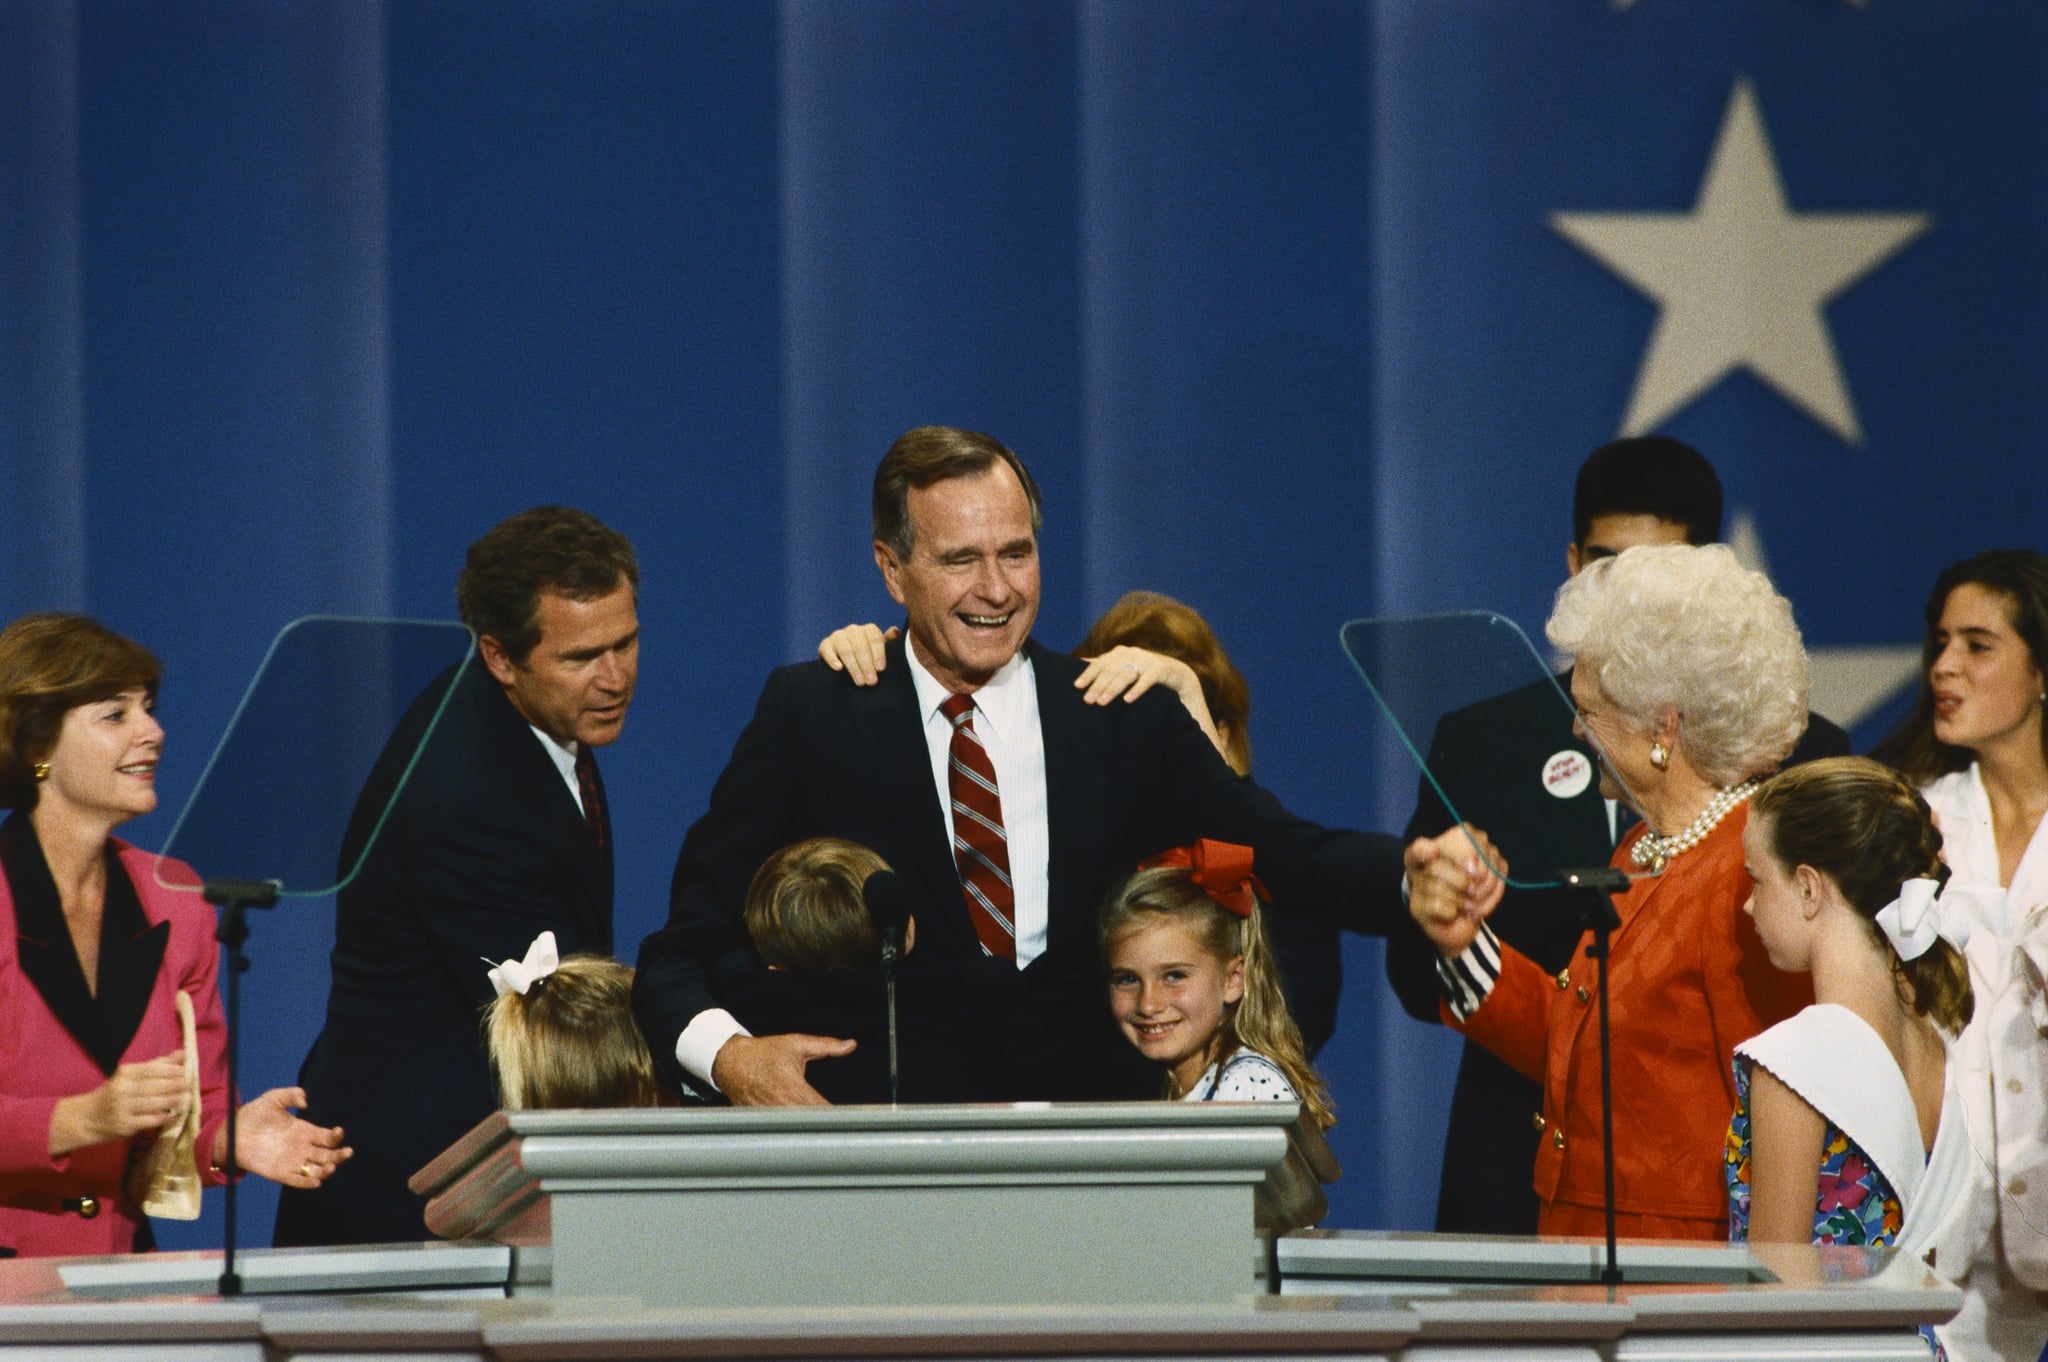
[1451, 889]
[273, 1143]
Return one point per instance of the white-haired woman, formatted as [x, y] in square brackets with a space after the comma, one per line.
[1690, 680]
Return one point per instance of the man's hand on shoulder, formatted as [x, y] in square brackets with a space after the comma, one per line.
[768, 1071]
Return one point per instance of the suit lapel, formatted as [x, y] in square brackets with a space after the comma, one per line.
[131, 954]
[565, 824]
[889, 732]
[1586, 814]
[1073, 801]
[131, 951]
[1631, 905]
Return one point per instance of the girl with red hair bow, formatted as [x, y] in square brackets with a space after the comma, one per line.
[1193, 985]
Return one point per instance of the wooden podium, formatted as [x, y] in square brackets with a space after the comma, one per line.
[1075, 1204]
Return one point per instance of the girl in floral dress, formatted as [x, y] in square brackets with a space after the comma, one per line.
[1838, 1107]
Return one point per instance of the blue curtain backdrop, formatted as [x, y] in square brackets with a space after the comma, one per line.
[1301, 312]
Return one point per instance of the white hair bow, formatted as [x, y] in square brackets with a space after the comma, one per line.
[517, 976]
[1924, 910]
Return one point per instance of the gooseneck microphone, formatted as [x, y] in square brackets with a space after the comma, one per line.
[889, 910]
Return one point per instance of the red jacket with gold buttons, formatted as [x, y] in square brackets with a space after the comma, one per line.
[1690, 983]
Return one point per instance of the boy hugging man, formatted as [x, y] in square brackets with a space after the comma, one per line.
[816, 968]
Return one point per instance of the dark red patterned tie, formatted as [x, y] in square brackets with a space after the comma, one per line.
[592, 790]
[981, 851]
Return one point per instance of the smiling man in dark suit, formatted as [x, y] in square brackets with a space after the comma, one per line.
[1007, 805]
[500, 833]
[1513, 766]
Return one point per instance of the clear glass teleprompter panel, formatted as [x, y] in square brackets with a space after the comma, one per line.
[1421, 668]
[278, 793]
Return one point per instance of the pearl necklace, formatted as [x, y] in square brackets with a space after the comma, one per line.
[1654, 851]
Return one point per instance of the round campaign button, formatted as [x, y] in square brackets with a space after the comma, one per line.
[1567, 774]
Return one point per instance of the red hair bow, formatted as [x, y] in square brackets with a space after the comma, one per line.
[1222, 870]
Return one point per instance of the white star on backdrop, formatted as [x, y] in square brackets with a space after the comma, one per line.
[1849, 684]
[1740, 280]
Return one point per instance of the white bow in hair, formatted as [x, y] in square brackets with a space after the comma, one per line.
[517, 976]
[1924, 911]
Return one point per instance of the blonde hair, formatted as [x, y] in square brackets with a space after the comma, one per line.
[1259, 1020]
[570, 1040]
[806, 908]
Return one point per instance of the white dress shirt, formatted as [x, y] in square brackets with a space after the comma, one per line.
[564, 758]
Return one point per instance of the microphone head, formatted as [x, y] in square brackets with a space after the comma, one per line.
[888, 904]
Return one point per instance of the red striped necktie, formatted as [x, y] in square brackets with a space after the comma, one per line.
[981, 850]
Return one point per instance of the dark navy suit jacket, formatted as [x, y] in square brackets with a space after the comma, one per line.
[822, 757]
[484, 850]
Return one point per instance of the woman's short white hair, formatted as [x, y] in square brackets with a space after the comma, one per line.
[1692, 630]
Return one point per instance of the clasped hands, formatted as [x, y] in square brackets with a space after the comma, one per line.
[1455, 881]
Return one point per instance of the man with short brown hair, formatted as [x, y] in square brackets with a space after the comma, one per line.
[499, 834]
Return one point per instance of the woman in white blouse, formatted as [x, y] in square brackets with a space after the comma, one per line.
[1975, 741]
[1977, 745]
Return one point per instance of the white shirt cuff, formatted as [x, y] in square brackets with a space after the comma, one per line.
[701, 1041]
[1469, 978]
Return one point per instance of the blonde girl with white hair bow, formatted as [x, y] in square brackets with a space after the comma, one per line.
[561, 1033]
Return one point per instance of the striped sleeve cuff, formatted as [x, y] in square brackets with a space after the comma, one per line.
[1470, 977]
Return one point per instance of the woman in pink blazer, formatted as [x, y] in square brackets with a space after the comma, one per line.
[94, 949]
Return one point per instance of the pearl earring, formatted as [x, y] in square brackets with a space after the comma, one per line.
[1660, 756]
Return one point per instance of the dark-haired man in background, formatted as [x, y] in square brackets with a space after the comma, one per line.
[1514, 767]
[500, 834]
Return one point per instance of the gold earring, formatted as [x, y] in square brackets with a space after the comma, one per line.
[1660, 756]
[42, 769]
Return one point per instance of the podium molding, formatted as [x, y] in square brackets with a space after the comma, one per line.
[1079, 1204]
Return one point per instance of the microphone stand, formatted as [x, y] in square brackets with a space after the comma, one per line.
[1601, 884]
[233, 898]
[891, 939]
